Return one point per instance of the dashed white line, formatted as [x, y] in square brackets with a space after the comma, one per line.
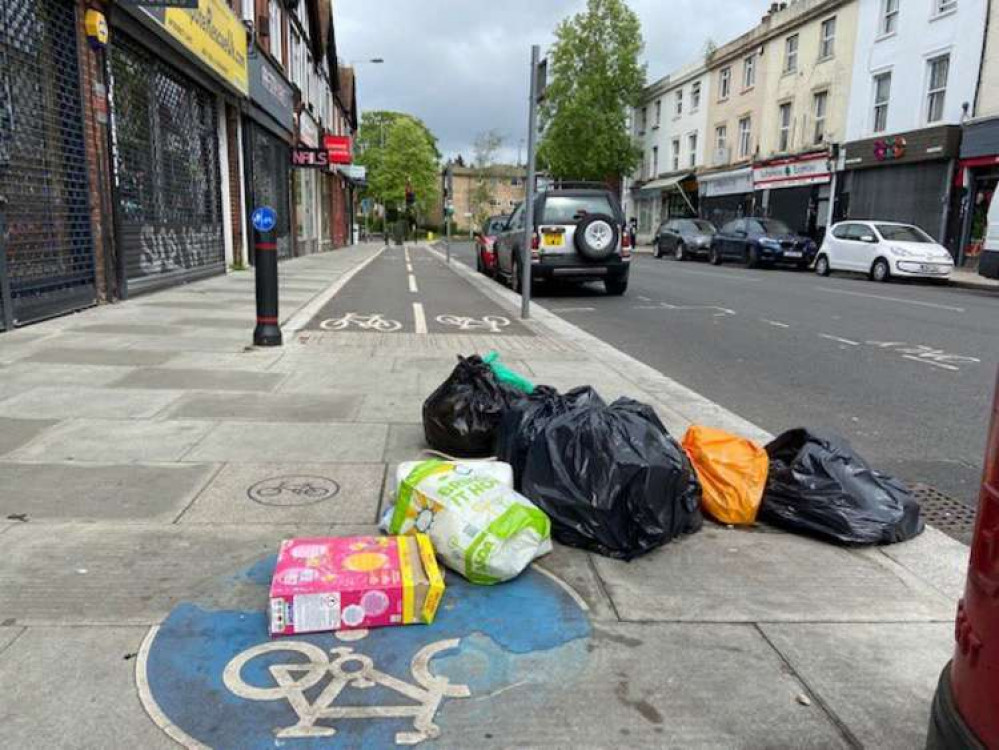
[893, 299]
[573, 309]
[412, 284]
[409, 268]
[931, 362]
[838, 339]
[776, 323]
[419, 318]
[405, 252]
[645, 299]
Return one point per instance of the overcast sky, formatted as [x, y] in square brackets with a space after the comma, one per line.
[461, 65]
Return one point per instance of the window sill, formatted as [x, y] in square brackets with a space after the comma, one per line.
[943, 14]
[748, 89]
[883, 37]
[827, 58]
[654, 127]
[789, 73]
[722, 99]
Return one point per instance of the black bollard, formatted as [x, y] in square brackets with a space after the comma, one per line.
[267, 332]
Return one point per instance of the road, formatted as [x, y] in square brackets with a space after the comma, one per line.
[905, 371]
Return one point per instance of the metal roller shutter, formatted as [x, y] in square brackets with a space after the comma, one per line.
[168, 193]
[44, 192]
[910, 193]
[270, 183]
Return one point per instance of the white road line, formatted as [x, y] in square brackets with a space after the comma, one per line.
[838, 339]
[412, 284]
[723, 275]
[573, 309]
[931, 362]
[892, 299]
[776, 323]
[645, 299]
[405, 252]
[409, 268]
[420, 318]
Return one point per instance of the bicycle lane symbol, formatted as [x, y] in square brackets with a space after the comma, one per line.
[389, 687]
[362, 322]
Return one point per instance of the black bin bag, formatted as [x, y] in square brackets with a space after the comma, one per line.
[819, 486]
[461, 417]
[526, 419]
[612, 480]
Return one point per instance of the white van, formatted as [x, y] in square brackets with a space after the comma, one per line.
[988, 264]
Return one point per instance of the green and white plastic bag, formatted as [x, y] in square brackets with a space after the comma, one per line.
[479, 527]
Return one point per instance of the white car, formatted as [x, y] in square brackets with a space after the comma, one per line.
[883, 249]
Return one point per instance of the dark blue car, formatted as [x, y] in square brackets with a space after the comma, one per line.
[761, 242]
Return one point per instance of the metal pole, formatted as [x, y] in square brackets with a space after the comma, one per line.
[267, 332]
[532, 148]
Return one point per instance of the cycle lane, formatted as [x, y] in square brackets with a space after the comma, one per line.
[407, 290]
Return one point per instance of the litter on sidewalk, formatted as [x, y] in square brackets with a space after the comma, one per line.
[480, 527]
[346, 583]
[507, 376]
[732, 471]
[819, 486]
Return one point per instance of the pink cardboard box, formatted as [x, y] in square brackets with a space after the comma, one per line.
[347, 583]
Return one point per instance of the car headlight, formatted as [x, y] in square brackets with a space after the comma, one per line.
[767, 242]
[901, 252]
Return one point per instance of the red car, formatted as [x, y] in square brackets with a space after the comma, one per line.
[485, 254]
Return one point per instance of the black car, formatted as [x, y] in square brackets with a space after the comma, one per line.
[757, 242]
[684, 238]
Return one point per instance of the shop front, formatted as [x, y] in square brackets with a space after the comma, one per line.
[268, 131]
[307, 192]
[795, 189]
[170, 74]
[904, 177]
[976, 181]
[725, 196]
[663, 199]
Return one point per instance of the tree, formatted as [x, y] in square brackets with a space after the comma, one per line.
[485, 148]
[408, 158]
[373, 144]
[595, 81]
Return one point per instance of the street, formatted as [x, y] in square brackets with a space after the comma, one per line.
[904, 371]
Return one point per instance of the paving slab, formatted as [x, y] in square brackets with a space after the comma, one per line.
[100, 492]
[393, 409]
[193, 344]
[237, 322]
[295, 494]
[202, 380]
[406, 442]
[257, 360]
[15, 433]
[7, 390]
[721, 575]
[272, 407]
[256, 442]
[75, 688]
[359, 378]
[121, 441]
[38, 373]
[68, 402]
[8, 635]
[109, 357]
[878, 679]
[576, 568]
[936, 558]
[131, 329]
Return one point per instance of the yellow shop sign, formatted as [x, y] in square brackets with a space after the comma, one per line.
[215, 36]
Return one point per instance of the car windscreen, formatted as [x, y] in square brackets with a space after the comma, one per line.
[775, 227]
[702, 227]
[569, 209]
[903, 233]
[495, 226]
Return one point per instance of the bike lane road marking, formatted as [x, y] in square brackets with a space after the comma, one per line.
[419, 319]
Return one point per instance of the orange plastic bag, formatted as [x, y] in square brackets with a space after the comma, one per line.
[733, 473]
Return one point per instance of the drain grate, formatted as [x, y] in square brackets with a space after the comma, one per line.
[952, 517]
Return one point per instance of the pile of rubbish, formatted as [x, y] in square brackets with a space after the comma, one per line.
[523, 464]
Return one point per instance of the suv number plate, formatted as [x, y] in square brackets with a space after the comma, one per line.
[792, 254]
[554, 240]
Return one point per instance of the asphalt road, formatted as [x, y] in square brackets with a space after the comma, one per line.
[905, 371]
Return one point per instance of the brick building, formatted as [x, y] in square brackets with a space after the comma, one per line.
[480, 193]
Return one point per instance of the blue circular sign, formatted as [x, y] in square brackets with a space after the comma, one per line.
[264, 219]
[211, 675]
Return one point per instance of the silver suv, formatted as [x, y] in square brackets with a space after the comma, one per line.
[579, 234]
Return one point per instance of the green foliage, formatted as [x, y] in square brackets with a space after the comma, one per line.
[594, 80]
[374, 144]
[408, 157]
[486, 147]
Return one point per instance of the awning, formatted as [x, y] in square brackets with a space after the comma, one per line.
[657, 186]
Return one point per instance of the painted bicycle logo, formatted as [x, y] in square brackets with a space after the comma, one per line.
[490, 323]
[373, 322]
[343, 669]
[293, 490]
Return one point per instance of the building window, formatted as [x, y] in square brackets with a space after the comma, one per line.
[676, 154]
[655, 160]
[679, 102]
[749, 72]
[692, 144]
[659, 112]
[274, 29]
[943, 6]
[745, 136]
[820, 103]
[721, 138]
[644, 121]
[724, 83]
[784, 127]
[889, 17]
[695, 97]
[791, 54]
[247, 8]
[937, 93]
[882, 95]
[827, 39]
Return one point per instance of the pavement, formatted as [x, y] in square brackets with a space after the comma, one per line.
[906, 371]
[151, 462]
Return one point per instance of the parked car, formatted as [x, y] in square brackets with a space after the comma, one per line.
[579, 234]
[757, 242]
[684, 238]
[883, 249]
[485, 240]
[988, 262]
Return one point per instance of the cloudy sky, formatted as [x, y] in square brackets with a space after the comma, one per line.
[461, 65]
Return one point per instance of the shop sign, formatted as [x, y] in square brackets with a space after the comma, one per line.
[165, 3]
[928, 144]
[355, 173]
[792, 172]
[890, 149]
[309, 158]
[271, 92]
[728, 183]
[213, 34]
[308, 130]
[340, 149]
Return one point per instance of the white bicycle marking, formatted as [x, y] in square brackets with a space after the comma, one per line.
[293, 679]
[490, 323]
[921, 352]
[720, 312]
[372, 322]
